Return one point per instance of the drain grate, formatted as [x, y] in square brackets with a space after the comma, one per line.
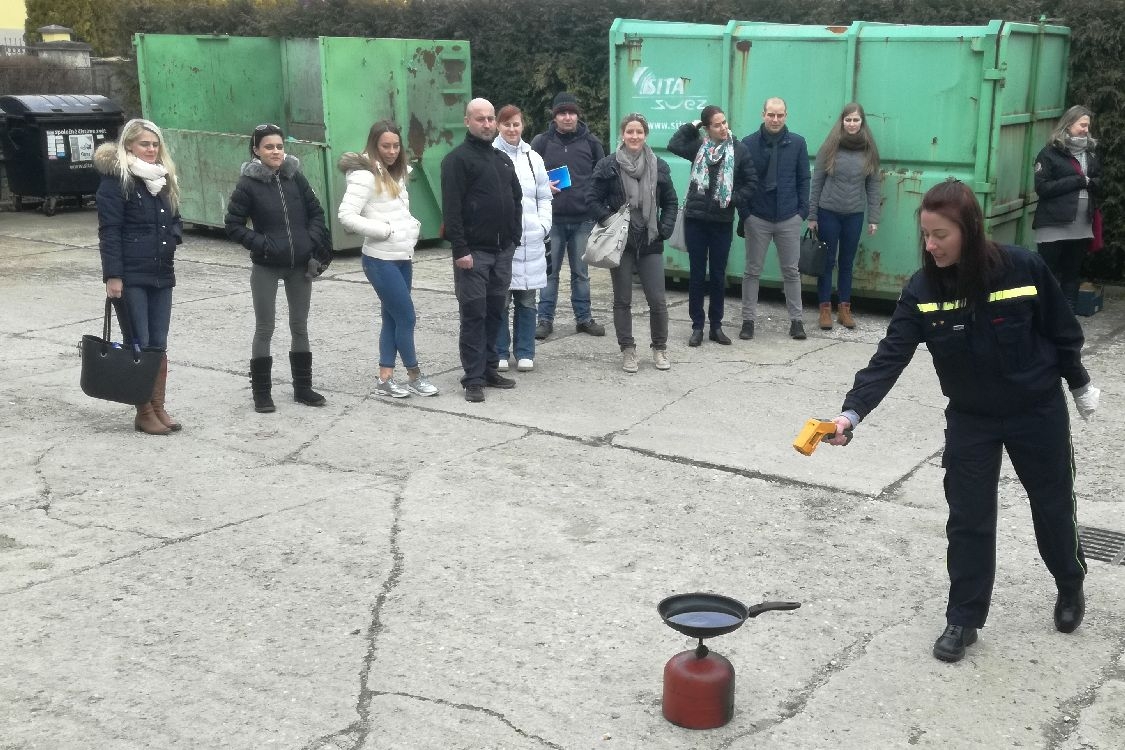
[1103, 544]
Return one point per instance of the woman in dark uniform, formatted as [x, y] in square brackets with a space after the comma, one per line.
[1002, 338]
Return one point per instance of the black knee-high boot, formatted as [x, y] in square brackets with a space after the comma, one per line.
[261, 383]
[301, 364]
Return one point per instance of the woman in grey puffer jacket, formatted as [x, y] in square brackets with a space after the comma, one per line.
[289, 243]
[845, 181]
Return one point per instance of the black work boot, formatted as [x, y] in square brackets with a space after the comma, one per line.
[261, 384]
[301, 364]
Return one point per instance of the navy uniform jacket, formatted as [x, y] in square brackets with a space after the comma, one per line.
[997, 357]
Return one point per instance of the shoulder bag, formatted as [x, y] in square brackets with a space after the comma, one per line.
[117, 371]
[677, 239]
[607, 241]
[813, 253]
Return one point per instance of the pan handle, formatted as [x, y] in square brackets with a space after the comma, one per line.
[758, 609]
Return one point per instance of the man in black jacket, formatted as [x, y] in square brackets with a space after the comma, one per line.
[481, 205]
[569, 143]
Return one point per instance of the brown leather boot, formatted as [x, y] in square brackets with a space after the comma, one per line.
[158, 397]
[846, 319]
[147, 422]
[825, 321]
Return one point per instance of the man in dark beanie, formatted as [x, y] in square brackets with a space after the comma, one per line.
[568, 142]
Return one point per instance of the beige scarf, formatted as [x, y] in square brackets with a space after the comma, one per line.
[154, 175]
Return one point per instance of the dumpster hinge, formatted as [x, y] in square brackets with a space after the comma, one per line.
[993, 74]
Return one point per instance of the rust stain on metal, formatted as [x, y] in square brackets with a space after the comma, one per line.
[451, 100]
[743, 48]
[429, 57]
[454, 70]
[416, 137]
[837, 29]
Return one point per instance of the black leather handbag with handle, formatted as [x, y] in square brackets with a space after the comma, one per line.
[117, 371]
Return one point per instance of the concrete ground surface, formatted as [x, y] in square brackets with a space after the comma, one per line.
[428, 573]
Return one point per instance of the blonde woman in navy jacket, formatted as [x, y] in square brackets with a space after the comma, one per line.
[139, 228]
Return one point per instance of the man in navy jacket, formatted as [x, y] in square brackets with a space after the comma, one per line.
[779, 206]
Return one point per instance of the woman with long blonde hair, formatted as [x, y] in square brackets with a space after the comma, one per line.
[139, 227]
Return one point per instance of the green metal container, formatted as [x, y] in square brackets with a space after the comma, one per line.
[208, 92]
[972, 102]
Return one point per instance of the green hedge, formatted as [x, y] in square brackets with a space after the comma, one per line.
[525, 52]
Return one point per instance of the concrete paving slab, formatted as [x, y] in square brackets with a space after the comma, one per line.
[428, 573]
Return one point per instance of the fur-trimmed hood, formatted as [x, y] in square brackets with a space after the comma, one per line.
[105, 158]
[352, 161]
[258, 171]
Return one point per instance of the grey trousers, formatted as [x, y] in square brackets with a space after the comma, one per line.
[298, 294]
[650, 268]
[786, 236]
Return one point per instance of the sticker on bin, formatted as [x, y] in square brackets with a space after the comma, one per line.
[560, 175]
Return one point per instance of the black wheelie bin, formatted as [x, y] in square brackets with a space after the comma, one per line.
[48, 143]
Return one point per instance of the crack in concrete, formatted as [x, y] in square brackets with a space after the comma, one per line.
[165, 542]
[835, 665]
[359, 730]
[1059, 731]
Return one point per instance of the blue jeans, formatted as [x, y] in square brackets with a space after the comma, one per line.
[150, 313]
[842, 231]
[524, 326]
[707, 241]
[569, 237]
[392, 279]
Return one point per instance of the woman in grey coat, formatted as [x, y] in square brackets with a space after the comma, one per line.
[846, 180]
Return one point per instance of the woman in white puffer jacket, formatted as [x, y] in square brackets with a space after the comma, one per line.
[529, 264]
[376, 205]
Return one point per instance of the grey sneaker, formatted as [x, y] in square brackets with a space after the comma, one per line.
[660, 359]
[797, 330]
[421, 386]
[390, 389]
[629, 362]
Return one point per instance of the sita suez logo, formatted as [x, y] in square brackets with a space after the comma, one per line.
[665, 93]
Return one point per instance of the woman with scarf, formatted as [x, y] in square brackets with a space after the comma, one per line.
[846, 180]
[529, 264]
[1068, 180]
[377, 206]
[722, 179]
[288, 244]
[633, 174]
[139, 227]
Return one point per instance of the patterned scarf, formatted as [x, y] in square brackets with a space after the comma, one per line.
[715, 152]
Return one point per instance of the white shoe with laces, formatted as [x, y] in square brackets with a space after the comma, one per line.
[525, 365]
[660, 359]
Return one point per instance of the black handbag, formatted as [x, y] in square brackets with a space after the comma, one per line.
[813, 254]
[118, 372]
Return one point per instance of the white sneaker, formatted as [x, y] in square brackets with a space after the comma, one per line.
[660, 359]
[502, 366]
[390, 389]
[525, 365]
[421, 386]
[629, 361]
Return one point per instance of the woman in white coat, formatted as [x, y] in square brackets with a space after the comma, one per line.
[376, 205]
[529, 264]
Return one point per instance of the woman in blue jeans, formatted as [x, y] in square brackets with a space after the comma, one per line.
[377, 206]
[139, 227]
[845, 181]
[529, 264]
